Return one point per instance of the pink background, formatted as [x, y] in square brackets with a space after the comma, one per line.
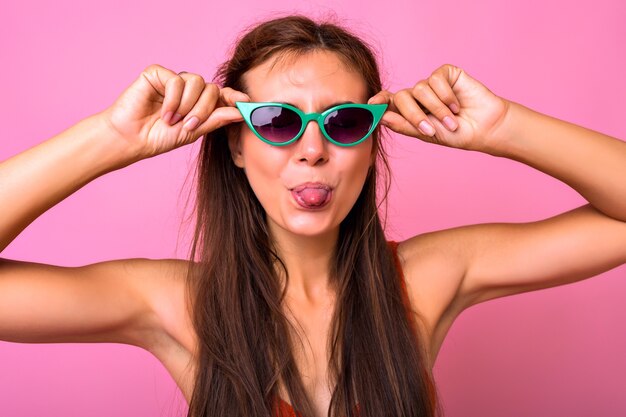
[559, 351]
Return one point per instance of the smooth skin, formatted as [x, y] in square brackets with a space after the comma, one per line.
[140, 301]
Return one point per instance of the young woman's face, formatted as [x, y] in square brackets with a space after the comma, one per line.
[309, 186]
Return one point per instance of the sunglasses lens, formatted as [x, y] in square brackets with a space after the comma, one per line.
[349, 124]
[276, 124]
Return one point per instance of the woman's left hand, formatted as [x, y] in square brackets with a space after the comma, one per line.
[477, 122]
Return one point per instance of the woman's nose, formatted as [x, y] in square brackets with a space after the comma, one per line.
[312, 146]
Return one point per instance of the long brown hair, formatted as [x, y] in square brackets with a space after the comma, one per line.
[245, 345]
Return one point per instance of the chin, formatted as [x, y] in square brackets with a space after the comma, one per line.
[307, 227]
[312, 232]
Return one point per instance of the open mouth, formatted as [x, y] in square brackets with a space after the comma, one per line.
[312, 196]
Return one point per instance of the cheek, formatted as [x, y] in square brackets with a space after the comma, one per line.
[262, 165]
[354, 169]
[359, 161]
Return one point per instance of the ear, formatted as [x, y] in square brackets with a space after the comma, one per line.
[234, 144]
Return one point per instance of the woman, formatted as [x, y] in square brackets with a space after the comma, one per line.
[292, 299]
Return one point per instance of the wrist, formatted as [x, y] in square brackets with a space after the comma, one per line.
[499, 141]
[120, 152]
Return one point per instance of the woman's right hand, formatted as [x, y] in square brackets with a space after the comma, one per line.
[144, 115]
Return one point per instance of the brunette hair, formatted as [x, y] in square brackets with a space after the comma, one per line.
[244, 338]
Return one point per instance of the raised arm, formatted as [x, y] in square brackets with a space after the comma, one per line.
[37, 179]
[117, 300]
[503, 259]
[45, 303]
[484, 261]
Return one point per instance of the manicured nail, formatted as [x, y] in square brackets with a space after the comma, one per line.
[166, 118]
[426, 128]
[192, 123]
[450, 123]
[176, 119]
[454, 108]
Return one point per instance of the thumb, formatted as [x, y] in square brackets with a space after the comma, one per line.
[220, 117]
[383, 97]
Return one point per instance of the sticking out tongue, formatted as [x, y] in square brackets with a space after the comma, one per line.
[312, 196]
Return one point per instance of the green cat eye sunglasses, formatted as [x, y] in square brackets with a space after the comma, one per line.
[281, 124]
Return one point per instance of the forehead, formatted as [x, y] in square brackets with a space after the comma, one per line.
[310, 81]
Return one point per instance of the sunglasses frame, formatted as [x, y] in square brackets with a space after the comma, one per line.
[246, 109]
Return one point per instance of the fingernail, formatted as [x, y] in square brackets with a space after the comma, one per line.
[426, 128]
[176, 119]
[450, 123]
[454, 108]
[191, 123]
[166, 118]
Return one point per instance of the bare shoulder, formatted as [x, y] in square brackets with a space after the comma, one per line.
[449, 270]
[432, 276]
[134, 301]
[165, 289]
[174, 344]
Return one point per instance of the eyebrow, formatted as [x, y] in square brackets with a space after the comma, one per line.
[332, 105]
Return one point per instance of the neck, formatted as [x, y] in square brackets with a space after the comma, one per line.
[308, 261]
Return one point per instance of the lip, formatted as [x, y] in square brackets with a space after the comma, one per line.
[297, 199]
[304, 185]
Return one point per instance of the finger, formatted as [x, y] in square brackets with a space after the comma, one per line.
[204, 106]
[383, 97]
[185, 96]
[221, 116]
[442, 88]
[159, 78]
[229, 96]
[174, 88]
[450, 74]
[399, 124]
[411, 111]
[424, 93]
